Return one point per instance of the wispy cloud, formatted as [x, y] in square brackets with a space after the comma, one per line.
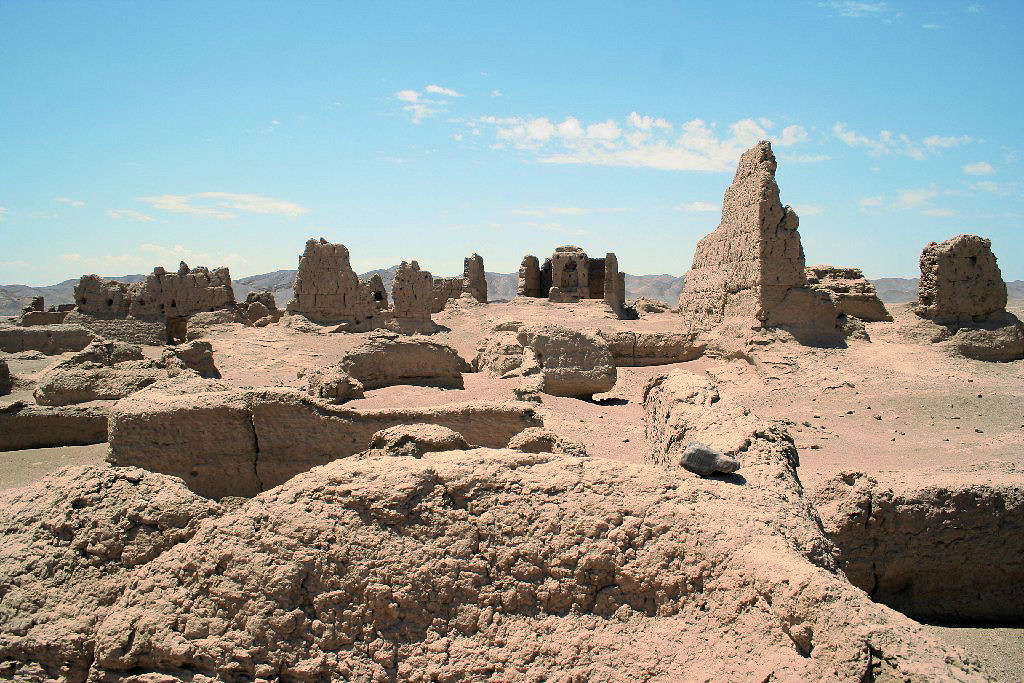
[420, 107]
[214, 204]
[129, 215]
[568, 210]
[3, 213]
[77, 203]
[939, 213]
[640, 141]
[699, 207]
[558, 228]
[974, 9]
[438, 90]
[871, 202]
[808, 210]
[931, 27]
[911, 199]
[979, 168]
[855, 9]
[71, 258]
[888, 142]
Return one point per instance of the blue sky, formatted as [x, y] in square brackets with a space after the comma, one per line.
[138, 134]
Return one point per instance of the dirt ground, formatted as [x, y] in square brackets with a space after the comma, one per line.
[880, 406]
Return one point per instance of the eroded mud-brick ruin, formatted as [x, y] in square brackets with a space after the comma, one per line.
[337, 491]
[570, 275]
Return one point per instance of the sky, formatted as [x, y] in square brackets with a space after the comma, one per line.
[139, 134]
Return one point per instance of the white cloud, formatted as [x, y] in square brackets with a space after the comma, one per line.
[699, 206]
[890, 143]
[975, 9]
[607, 130]
[407, 95]
[3, 213]
[979, 168]
[647, 142]
[251, 203]
[77, 203]
[568, 210]
[647, 122]
[129, 215]
[808, 210]
[910, 199]
[871, 202]
[791, 135]
[803, 158]
[854, 9]
[495, 93]
[71, 258]
[931, 27]
[944, 141]
[939, 212]
[528, 212]
[438, 90]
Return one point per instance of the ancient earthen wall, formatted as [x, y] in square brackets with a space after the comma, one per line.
[475, 279]
[96, 296]
[169, 295]
[570, 275]
[595, 278]
[614, 283]
[750, 270]
[529, 277]
[960, 281]
[327, 289]
[443, 289]
[380, 295]
[412, 292]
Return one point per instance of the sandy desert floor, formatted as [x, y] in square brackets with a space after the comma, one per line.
[880, 406]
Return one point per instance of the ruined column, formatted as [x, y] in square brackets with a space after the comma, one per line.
[327, 289]
[529, 277]
[475, 280]
[614, 286]
[570, 275]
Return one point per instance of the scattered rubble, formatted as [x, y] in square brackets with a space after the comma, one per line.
[851, 293]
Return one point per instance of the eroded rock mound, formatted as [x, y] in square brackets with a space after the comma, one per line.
[749, 273]
[945, 545]
[48, 339]
[851, 293]
[387, 359]
[960, 281]
[571, 363]
[540, 440]
[111, 370]
[416, 439]
[450, 565]
[70, 544]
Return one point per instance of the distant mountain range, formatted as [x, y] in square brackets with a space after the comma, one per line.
[500, 286]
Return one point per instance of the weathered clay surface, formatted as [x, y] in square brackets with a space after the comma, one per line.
[499, 353]
[326, 288]
[196, 356]
[240, 442]
[851, 293]
[332, 384]
[614, 285]
[48, 339]
[124, 329]
[570, 274]
[387, 359]
[444, 289]
[960, 281]
[633, 349]
[70, 544]
[414, 440]
[24, 425]
[380, 294]
[572, 363]
[450, 565]
[681, 407]
[749, 272]
[948, 546]
[97, 296]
